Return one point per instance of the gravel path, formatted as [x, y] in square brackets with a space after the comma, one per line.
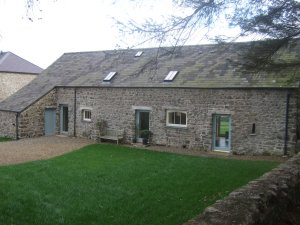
[30, 149]
[210, 153]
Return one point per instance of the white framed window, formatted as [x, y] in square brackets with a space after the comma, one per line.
[86, 115]
[176, 118]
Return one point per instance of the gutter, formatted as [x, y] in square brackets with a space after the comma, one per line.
[17, 125]
[288, 96]
[75, 106]
[166, 86]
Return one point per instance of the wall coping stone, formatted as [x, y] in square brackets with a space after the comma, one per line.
[261, 202]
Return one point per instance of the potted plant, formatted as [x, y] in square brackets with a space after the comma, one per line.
[146, 135]
[134, 140]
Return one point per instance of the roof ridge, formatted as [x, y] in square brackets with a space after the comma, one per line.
[167, 47]
[137, 49]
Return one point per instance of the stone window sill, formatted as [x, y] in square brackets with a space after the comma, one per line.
[177, 127]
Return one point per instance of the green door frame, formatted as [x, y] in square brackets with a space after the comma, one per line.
[64, 119]
[221, 142]
[141, 123]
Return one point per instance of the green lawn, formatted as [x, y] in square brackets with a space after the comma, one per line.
[113, 185]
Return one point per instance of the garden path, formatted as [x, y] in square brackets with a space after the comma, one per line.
[29, 149]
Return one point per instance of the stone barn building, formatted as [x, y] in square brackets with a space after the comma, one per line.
[200, 97]
[15, 73]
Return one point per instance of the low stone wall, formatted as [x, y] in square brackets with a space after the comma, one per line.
[261, 202]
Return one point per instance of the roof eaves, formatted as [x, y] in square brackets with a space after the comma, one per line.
[182, 87]
[24, 73]
[9, 110]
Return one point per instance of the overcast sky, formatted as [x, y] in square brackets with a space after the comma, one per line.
[70, 26]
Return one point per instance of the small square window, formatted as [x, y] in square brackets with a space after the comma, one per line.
[253, 130]
[86, 115]
[176, 118]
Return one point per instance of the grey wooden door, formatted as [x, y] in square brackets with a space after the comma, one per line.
[50, 121]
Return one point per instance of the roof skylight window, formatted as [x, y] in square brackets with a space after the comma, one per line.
[139, 53]
[171, 75]
[110, 76]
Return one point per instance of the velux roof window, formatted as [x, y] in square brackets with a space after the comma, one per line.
[171, 75]
[110, 76]
[139, 53]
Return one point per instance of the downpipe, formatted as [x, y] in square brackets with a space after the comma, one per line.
[17, 126]
[286, 135]
[75, 107]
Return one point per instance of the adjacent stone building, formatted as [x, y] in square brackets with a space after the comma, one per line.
[199, 97]
[15, 73]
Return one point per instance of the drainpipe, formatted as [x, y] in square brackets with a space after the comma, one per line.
[17, 126]
[75, 106]
[286, 123]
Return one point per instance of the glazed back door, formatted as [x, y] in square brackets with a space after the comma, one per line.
[221, 132]
[142, 123]
[64, 119]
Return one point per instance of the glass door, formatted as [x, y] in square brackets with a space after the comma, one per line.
[64, 119]
[142, 123]
[221, 132]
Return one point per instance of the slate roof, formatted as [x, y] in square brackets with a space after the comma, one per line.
[9, 62]
[203, 66]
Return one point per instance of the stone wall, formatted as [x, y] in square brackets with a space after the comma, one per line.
[12, 82]
[7, 124]
[31, 121]
[261, 202]
[266, 108]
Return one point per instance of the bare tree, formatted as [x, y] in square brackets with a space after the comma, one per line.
[275, 20]
[34, 9]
